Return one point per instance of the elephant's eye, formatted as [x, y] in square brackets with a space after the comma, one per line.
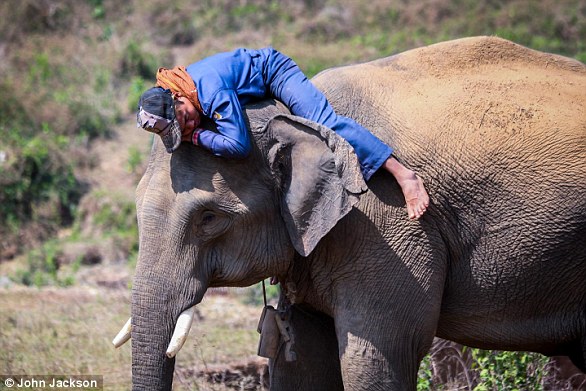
[207, 217]
[211, 223]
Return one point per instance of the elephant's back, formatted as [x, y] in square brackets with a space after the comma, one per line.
[470, 103]
[482, 90]
[489, 90]
[459, 56]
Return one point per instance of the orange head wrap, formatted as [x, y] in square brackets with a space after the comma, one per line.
[179, 82]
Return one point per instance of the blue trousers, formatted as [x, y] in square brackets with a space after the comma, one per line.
[287, 83]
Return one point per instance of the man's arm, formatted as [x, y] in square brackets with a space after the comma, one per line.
[232, 139]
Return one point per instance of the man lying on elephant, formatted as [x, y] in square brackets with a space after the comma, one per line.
[219, 86]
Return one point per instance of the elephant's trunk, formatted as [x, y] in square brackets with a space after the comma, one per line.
[157, 311]
[151, 332]
[152, 325]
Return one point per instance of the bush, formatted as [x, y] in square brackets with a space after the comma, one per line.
[43, 267]
[137, 86]
[451, 366]
[89, 121]
[106, 213]
[175, 23]
[135, 161]
[37, 180]
[508, 370]
[108, 216]
[137, 62]
[254, 295]
[48, 115]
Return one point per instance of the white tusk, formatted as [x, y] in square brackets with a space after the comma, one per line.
[123, 335]
[181, 332]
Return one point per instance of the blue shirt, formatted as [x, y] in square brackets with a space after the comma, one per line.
[225, 83]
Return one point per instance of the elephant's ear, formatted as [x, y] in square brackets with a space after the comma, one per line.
[318, 175]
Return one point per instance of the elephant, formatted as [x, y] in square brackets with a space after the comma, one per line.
[498, 133]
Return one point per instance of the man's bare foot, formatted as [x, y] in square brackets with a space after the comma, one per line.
[416, 197]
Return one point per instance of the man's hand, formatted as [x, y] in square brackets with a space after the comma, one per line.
[186, 136]
[191, 137]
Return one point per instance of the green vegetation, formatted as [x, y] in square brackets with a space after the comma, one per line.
[509, 370]
[106, 223]
[254, 295]
[483, 370]
[43, 267]
[74, 70]
[37, 179]
[135, 160]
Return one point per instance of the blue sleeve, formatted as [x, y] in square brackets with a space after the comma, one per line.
[233, 140]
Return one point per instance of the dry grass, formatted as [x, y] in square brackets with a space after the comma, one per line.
[64, 332]
[69, 332]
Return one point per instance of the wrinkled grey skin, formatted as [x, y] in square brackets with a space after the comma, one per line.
[497, 262]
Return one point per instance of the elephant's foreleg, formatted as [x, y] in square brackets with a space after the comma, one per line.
[366, 366]
[378, 352]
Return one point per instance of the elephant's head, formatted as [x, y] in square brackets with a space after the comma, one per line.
[206, 221]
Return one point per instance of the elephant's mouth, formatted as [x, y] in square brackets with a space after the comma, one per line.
[182, 327]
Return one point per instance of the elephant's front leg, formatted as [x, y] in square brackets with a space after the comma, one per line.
[365, 366]
[378, 356]
[381, 346]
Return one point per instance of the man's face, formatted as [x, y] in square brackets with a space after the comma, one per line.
[187, 116]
